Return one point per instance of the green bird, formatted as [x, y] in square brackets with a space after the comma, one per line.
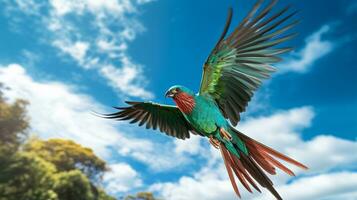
[235, 69]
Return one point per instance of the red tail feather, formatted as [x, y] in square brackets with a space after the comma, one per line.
[238, 173]
[227, 163]
[246, 168]
[268, 167]
[245, 173]
[278, 154]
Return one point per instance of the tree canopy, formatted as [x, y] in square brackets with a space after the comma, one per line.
[54, 169]
[34, 169]
[67, 155]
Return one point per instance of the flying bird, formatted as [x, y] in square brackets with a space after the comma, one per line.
[233, 71]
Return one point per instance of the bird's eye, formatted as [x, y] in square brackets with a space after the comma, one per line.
[177, 90]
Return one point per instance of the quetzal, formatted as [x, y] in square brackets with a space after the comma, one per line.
[232, 72]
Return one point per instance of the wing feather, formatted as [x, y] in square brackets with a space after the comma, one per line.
[240, 62]
[167, 118]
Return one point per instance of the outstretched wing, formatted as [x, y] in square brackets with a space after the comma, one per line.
[238, 63]
[167, 119]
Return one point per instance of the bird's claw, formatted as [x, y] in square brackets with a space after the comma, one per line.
[215, 143]
[225, 134]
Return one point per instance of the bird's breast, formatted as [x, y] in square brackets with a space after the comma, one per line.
[205, 117]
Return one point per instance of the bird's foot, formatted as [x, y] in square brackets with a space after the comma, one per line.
[214, 142]
[225, 134]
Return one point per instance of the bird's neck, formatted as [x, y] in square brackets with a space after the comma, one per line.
[185, 102]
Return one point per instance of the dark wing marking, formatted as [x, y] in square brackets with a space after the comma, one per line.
[166, 118]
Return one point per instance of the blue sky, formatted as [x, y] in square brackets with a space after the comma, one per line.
[71, 58]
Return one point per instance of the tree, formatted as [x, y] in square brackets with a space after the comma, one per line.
[44, 170]
[13, 124]
[26, 176]
[67, 155]
[74, 185]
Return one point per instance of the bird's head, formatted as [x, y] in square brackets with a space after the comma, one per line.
[183, 97]
[176, 90]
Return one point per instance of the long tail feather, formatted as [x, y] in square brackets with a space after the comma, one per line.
[251, 167]
[278, 154]
[239, 174]
[262, 161]
[229, 168]
[263, 149]
[278, 164]
[259, 175]
[245, 173]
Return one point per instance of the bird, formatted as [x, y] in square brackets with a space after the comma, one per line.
[236, 67]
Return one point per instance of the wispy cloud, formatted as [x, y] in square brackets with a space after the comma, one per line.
[95, 34]
[323, 154]
[315, 48]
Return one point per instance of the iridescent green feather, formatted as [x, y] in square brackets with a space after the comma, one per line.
[240, 62]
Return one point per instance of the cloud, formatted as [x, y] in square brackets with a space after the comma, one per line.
[95, 34]
[192, 146]
[77, 50]
[336, 185]
[314, 49]
[123, 78]
[58, 110]
[324, 154]
[160, 156]
[121, 178]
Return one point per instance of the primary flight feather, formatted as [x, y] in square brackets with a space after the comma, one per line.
[232, 72]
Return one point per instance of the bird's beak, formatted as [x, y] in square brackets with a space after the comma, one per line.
[170, 94]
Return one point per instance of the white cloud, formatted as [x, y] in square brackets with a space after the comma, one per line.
[124, 77]
[192, 146]
[57, 110]
[281, 130]
[112, 26]
[121, 178]
[314, 49]
[108, 46]
[77, 50]
[337, 185]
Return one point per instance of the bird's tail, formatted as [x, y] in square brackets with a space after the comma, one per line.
[260, 159]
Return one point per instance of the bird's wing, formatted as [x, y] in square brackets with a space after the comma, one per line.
[238, 63]
[166, 118]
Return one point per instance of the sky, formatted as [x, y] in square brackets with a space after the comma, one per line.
[70, 58]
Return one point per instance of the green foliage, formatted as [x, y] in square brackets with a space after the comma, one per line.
[73, 185]
[26, 176]
[13, 125]
[104, 196]
[44, 170]
[67, 155]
